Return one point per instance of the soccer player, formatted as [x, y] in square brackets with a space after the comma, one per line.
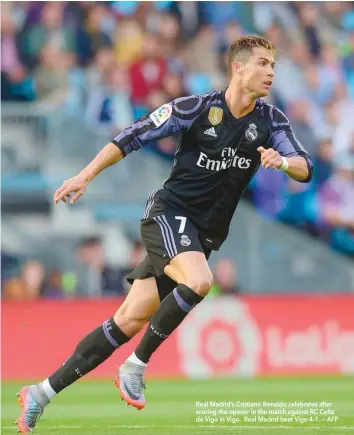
[224, 137]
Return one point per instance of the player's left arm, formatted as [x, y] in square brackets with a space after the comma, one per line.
[285, 152]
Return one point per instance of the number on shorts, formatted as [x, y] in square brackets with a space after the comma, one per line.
[182, 224]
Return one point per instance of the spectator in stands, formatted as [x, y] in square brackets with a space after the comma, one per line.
[169, 34]
[109, 106]
[330, 69]
[299, 114]
[343, 137]
[289, 85]
[232, 31]
[337, 205]
[92, 36]
[94, 277]
[53, 288]
[29, 285]
[225, 278]
[95, 72]
[10, 58]
[51, 76]
[174, 86]
[190, 15]
[114, 280]
[319, 92]
[17, 85]
[89, 266]
[148, 72]
[9, 266]
[51, 31]
[309, 18]
[128, 41]
[323, 162]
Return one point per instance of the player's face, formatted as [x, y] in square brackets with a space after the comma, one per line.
[258, 72]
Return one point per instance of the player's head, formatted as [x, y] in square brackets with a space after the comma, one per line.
[251, 62]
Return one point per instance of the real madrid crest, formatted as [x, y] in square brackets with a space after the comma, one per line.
[215, 115]
[251, 133]
[185, 240]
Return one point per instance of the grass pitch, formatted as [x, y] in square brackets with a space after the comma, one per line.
[94, 407]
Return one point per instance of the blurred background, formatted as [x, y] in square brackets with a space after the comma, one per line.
[74, 74]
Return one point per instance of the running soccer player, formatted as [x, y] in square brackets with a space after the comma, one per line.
[224, 137]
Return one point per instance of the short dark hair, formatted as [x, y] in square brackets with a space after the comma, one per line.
[245, 44]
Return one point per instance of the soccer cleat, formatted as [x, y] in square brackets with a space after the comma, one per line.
[130, 381]
[32, 401]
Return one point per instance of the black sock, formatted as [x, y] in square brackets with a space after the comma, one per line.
[95, 348]
[173, 309]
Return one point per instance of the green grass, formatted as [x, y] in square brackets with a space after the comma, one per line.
[94, 407]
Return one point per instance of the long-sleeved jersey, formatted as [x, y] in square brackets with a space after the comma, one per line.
[216, 156]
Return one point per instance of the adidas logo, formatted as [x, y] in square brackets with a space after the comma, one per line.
[211, 132]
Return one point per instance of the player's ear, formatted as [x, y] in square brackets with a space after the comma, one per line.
[237, 67]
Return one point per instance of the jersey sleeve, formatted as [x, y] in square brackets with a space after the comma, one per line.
[282, 139]
[170, 119]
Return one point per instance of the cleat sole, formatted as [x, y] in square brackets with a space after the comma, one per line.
[138, 406]
[21, 425]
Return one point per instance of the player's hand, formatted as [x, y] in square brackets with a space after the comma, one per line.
[270, 158]
[76, 185]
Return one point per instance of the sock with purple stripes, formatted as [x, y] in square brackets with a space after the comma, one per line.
[173, 309]
[95, 348]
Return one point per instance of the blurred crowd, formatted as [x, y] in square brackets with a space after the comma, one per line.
[113, 61]
[90, 275]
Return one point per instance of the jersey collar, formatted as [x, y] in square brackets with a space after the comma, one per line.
[230, 116]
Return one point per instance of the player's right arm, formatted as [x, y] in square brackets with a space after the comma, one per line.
[77, 185]
[168, 120]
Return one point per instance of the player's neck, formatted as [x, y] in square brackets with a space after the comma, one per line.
[239, 102]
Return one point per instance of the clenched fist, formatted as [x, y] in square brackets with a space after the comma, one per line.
[270, 158]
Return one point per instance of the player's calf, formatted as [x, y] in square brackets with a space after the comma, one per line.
[173, 309]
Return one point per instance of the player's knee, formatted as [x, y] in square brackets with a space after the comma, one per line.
[201, 284]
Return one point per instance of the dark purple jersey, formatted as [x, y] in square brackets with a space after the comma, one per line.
[216, 156]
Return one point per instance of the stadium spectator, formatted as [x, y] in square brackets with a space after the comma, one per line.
[109, 107]
[225, 279]
[92, 35]
[10, 58]
[104, 57]
[190, 16]
[128, 41]
[309, 18]
[17, 85]
[299, 114]
[50, 31]
[323, 162]
[114, 280]
[53, 288]
[50, 76]
[30, 283]
[337, 205]
[94, 277]
[148, 72]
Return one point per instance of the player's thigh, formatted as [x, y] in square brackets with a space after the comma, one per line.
[191, 268]
[140, 304]
[173, 245]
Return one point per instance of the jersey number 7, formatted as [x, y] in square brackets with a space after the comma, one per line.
[182, 224]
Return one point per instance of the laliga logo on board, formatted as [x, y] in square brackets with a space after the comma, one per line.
[219, 337]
